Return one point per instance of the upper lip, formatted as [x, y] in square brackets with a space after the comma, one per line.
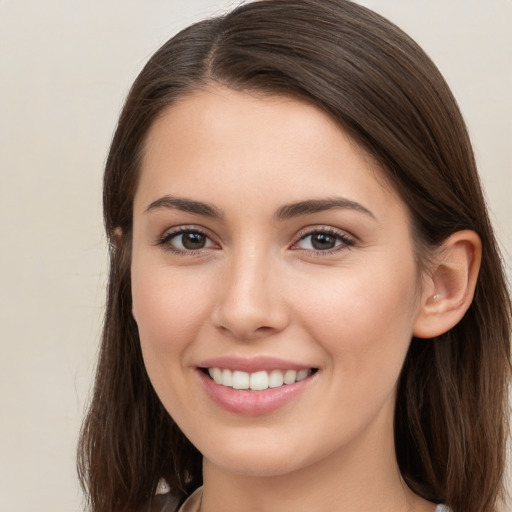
[252, 364]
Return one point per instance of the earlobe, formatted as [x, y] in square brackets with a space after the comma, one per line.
[117, 237]
[117, 240]
[450, 285]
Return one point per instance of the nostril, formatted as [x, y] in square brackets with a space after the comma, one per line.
[247, 331]
[264, 329]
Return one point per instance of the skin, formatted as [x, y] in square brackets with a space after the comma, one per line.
[259, 288]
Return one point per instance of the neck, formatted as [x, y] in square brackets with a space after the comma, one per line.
[361, 477]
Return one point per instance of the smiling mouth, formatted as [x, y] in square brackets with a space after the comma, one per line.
[257, 381]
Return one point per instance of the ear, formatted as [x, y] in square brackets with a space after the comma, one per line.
[117, 237]
[449, 287]
[117, 240]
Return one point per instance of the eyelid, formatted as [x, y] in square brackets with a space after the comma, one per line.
[348, 240]
[165, 239]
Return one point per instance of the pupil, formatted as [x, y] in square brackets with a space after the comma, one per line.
[193, 241]
[321, 241]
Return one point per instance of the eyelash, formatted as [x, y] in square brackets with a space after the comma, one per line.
[345, 240]
[166, 240]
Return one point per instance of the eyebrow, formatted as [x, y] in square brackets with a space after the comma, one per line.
[320, 205]
[285, 212]
[185, 205]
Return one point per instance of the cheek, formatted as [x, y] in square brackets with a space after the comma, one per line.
[169, 310]
[365, 321]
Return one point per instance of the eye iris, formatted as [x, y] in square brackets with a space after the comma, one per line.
[193, 241]
[323, 241]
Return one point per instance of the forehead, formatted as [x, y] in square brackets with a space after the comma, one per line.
[250, 143]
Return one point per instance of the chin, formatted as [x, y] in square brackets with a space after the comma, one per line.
[261, 466]
[259, 459]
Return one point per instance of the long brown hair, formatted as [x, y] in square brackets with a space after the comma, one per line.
[451, 411]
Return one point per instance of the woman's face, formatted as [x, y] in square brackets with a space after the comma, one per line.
[268, 252]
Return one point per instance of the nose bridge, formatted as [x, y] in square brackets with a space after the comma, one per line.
[249, 305]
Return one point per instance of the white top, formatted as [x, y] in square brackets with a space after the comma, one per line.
[194, 502]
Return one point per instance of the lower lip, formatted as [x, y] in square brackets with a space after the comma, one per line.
[253, 403]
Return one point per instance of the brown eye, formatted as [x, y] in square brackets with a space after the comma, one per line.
[186, 240]
[193, 241]
[323, 241]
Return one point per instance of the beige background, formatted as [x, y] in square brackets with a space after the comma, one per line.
[65, 69]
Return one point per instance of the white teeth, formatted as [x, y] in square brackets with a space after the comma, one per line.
[302, 374]
[227, 378]
[257, 381]
[290, 376]
[276, 379]
[216, 375]
[240, 380]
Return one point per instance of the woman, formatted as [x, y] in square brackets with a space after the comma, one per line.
[306, 308]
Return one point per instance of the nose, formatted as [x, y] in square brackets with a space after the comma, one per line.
[250, 301]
